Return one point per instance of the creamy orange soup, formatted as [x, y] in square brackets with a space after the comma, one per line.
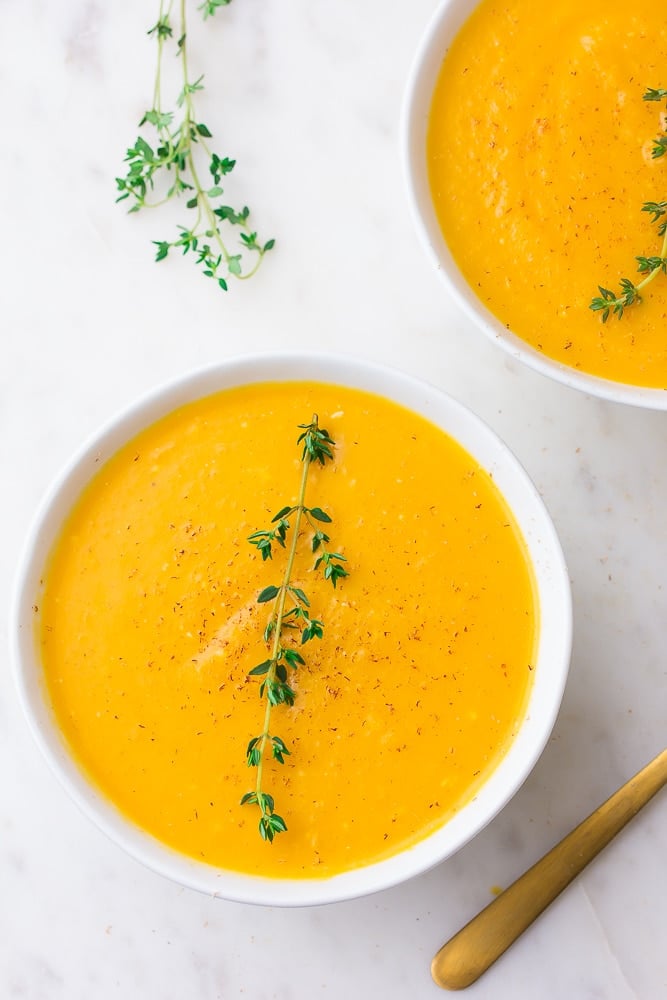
[539, 152]
[149, 625]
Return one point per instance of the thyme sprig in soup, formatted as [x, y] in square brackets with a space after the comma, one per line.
[614, 303]
[274, 686]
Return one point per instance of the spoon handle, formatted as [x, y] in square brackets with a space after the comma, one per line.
[469, 953]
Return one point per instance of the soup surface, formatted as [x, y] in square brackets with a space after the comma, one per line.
[539, 152]
[149, 625]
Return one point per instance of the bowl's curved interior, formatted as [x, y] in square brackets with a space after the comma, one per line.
[433, 48]
[552, 659]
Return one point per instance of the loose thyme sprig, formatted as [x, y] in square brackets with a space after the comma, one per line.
[609, 302]
[179, 151]
[318, 446]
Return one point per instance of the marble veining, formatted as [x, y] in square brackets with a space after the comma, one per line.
[307, 97]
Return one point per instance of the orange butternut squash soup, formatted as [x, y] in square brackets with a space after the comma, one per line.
[540, 155]
[150, 626]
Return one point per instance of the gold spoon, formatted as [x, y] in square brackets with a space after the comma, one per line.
[469, 953]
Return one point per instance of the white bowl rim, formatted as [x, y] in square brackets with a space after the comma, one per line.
[552, 659]
[447, 18]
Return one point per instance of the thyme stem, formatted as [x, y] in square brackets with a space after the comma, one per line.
[278, 617]
[608, 302]
[174, 159]
[318, 446]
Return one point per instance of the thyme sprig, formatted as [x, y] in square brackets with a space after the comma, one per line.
[290, 612]
[176, 156]
[609, 302]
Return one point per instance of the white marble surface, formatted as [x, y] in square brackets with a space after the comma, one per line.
[307, 97]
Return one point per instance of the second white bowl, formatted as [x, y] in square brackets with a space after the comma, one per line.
[437, 38]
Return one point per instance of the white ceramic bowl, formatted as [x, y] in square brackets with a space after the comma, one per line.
[437, 38]
[551, 663]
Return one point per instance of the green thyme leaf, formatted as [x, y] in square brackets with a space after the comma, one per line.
[268, 594]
